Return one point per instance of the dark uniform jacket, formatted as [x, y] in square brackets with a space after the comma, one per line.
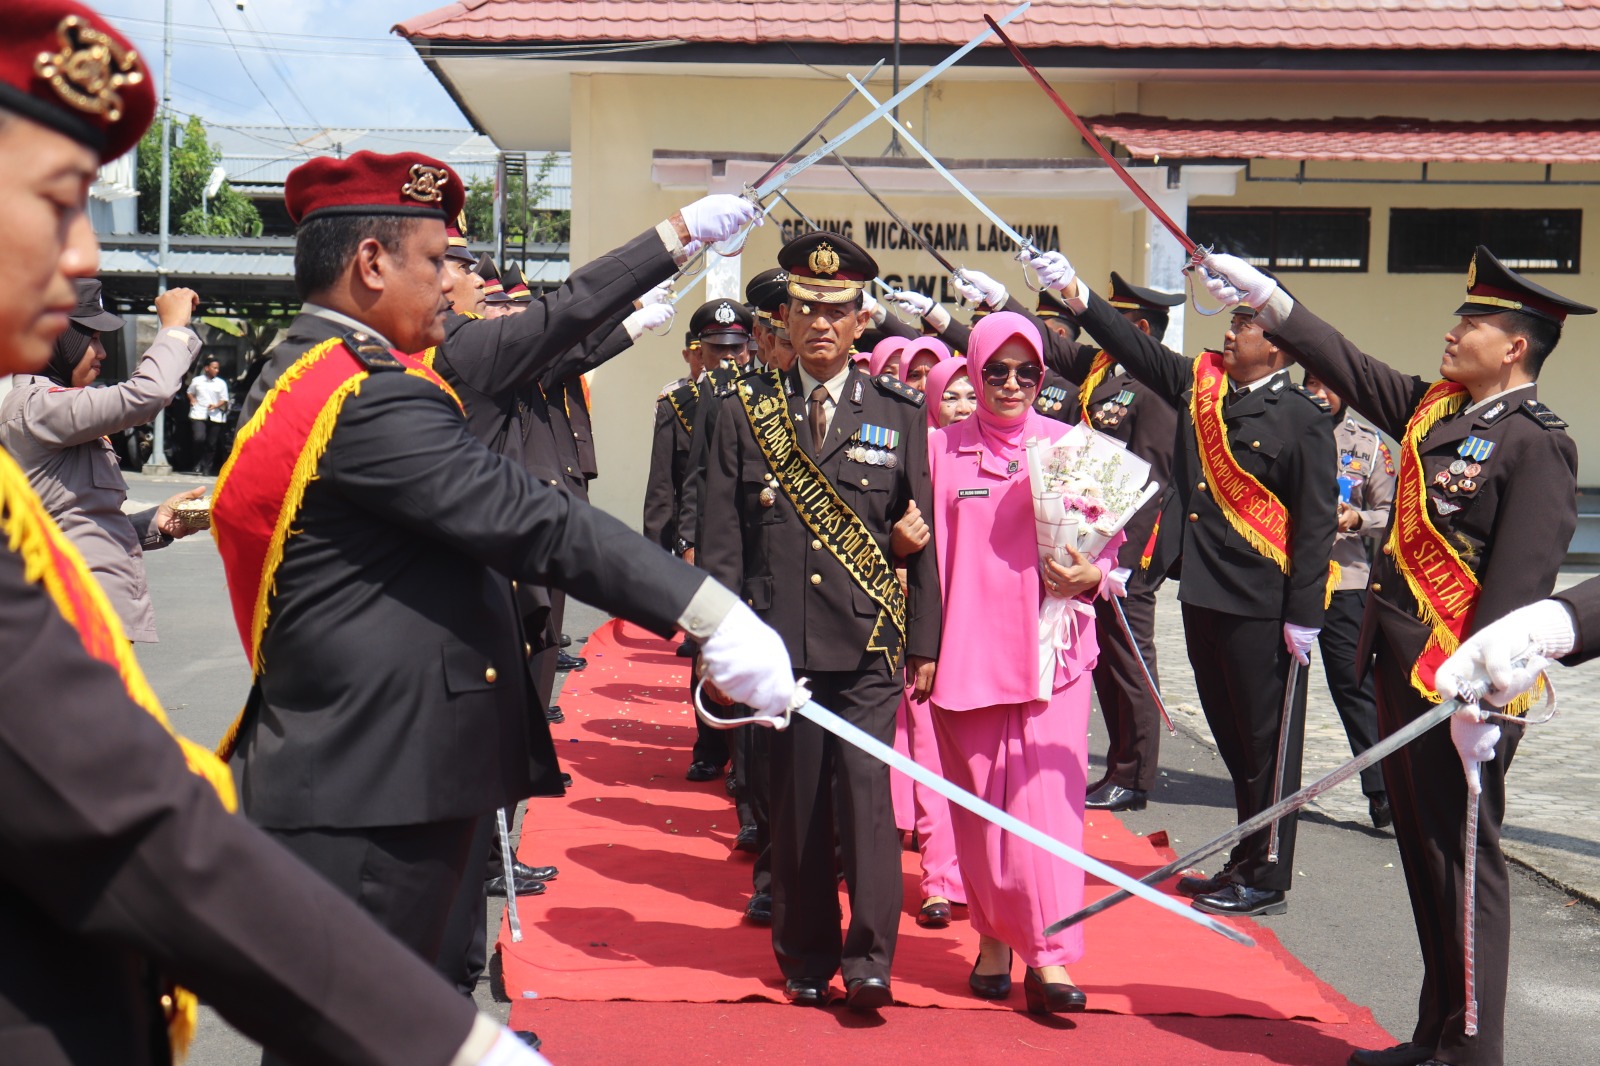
[114, 857]
[1584, 599]
[1278, 434]
[1511, 525]
[669, 455]
[768, 556]
[395, 689]
[709, 393]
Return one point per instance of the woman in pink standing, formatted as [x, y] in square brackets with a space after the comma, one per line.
[885, 357]
[996, 738]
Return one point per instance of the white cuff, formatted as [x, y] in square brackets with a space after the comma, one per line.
[938, 318]
[480, 1038]
[1078, 299]
[707, 608]
[1275, 311]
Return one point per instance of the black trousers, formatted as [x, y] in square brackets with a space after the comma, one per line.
[406, 877]
[1133, 719]
[1428, 791]
[1241, 669]
[821, 785]
[1355, 701]
[710, 743]
[752, 774]
[464, 953]
[207, 440]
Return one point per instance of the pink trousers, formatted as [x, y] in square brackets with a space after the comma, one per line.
[923, 809]
[1030, 760]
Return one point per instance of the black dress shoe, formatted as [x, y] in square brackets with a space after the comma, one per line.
[867, 993]
[1110, 797]
[747, 840]
[1242, 901]
[1378, 807]
[566, 641]
[524, 872]
[730, 784]
[1407, 1054]
[566, 780]
[934, 915]
[554, 713]
[569, 662]
[759, 910]
[496, 886]
[806, 991]
[529, 1037]
[990, 985]
[1096, 786]
[687, 650]
[1059, 998]
[703, 771]
[1205, 886]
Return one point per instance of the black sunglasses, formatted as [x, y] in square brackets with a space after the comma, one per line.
[1028, 375]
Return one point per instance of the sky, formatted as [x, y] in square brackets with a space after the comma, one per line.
[330, 63]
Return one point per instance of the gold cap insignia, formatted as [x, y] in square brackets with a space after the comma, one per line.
[426, 185]
[1472, 271]
[824, 260]
[89, 68]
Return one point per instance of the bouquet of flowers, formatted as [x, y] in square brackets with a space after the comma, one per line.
[1086, 488]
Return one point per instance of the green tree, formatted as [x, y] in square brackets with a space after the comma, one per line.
[227, 214]
[524, 222]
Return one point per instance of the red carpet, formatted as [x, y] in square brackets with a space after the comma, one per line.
[648, 902]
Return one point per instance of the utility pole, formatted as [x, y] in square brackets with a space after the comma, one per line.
[158, 452]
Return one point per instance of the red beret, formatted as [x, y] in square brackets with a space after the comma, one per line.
[65, 67]
[367, 183]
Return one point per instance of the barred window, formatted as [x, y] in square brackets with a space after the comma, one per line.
[1333, 239]
[1427, 241]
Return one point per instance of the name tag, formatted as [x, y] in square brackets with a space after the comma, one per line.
[964, 493]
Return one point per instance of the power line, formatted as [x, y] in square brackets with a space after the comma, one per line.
[244, 66]
[277, 65]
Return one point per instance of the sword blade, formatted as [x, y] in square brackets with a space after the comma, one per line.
[1001, 224]
[506, 862]
[1385, 747]
[884, 285]
[1283, 751]
[1093, 141]
[1149, 678]
[783, 177]
[818, 128]
[853, 735]
[916, 235]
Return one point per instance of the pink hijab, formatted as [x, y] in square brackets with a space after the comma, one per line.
[1003, 437]
[922, 346]
[882, 352]
[939, 379]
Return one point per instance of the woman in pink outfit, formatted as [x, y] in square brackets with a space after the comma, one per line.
[996, 738]
[926, 364]
[885, 358]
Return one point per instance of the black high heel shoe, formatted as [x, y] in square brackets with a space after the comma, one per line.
[1052, 998]
[990, 985]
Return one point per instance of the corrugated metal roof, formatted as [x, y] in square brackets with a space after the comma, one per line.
[1430, 25]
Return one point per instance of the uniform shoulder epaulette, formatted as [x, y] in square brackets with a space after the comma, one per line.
[672, 386]
[1543, 415]
[895, 387]
[470, 314]
[1322, 404]
[373, 355]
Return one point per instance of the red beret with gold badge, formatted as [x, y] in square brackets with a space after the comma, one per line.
[366, 183]
[65, 67]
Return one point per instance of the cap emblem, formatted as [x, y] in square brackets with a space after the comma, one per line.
[89, 68]
[725, 315]
[824, 260]
[1472, 271]
[426, 185]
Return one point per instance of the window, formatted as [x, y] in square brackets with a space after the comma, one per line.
[1424, 241]
[1287, 238]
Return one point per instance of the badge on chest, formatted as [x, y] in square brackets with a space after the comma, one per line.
[1463, 476]
[1052, 398]
[1111, 412]
[874, 446]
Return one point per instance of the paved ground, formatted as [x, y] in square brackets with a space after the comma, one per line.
[1348, 920]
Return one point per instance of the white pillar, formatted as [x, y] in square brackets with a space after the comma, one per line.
[1164, 257]
[725, 277]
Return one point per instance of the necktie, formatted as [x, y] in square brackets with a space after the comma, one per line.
[819, 418]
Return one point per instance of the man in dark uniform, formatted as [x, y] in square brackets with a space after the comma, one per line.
[856, 448]
[1058, 397]
[416, 531]
[1251, 523]
[669, 451]
[119, 861]
[1484, 510]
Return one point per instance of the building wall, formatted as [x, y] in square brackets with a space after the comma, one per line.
[620, 119]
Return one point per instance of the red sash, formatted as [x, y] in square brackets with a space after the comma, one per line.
[50, 560]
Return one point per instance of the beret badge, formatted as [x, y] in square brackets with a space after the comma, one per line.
[426, 185]
[89, 69]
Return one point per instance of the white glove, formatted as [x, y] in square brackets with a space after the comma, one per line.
[1116, 584]
[873, 308]
[747, 660]
[976, 286]
[912, 303]
[719, 216]
[1509, 654]
[1298, 639]
[1239, 281]
[509, 1050]
[1474, 740]
[649, 318]
[658, 295]
[1053, 269]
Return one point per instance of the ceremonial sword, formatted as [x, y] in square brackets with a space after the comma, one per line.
[927, 245]
[817, 129]
[1390, 744]
[803, 705]
[1284, 718]
[1149, 678]
[884, 285]
[508, 863]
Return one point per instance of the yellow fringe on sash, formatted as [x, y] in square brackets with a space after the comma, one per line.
[33, 535]
[1098, 369]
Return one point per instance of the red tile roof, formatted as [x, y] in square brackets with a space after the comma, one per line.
[1376, 140]
[1472, 25]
